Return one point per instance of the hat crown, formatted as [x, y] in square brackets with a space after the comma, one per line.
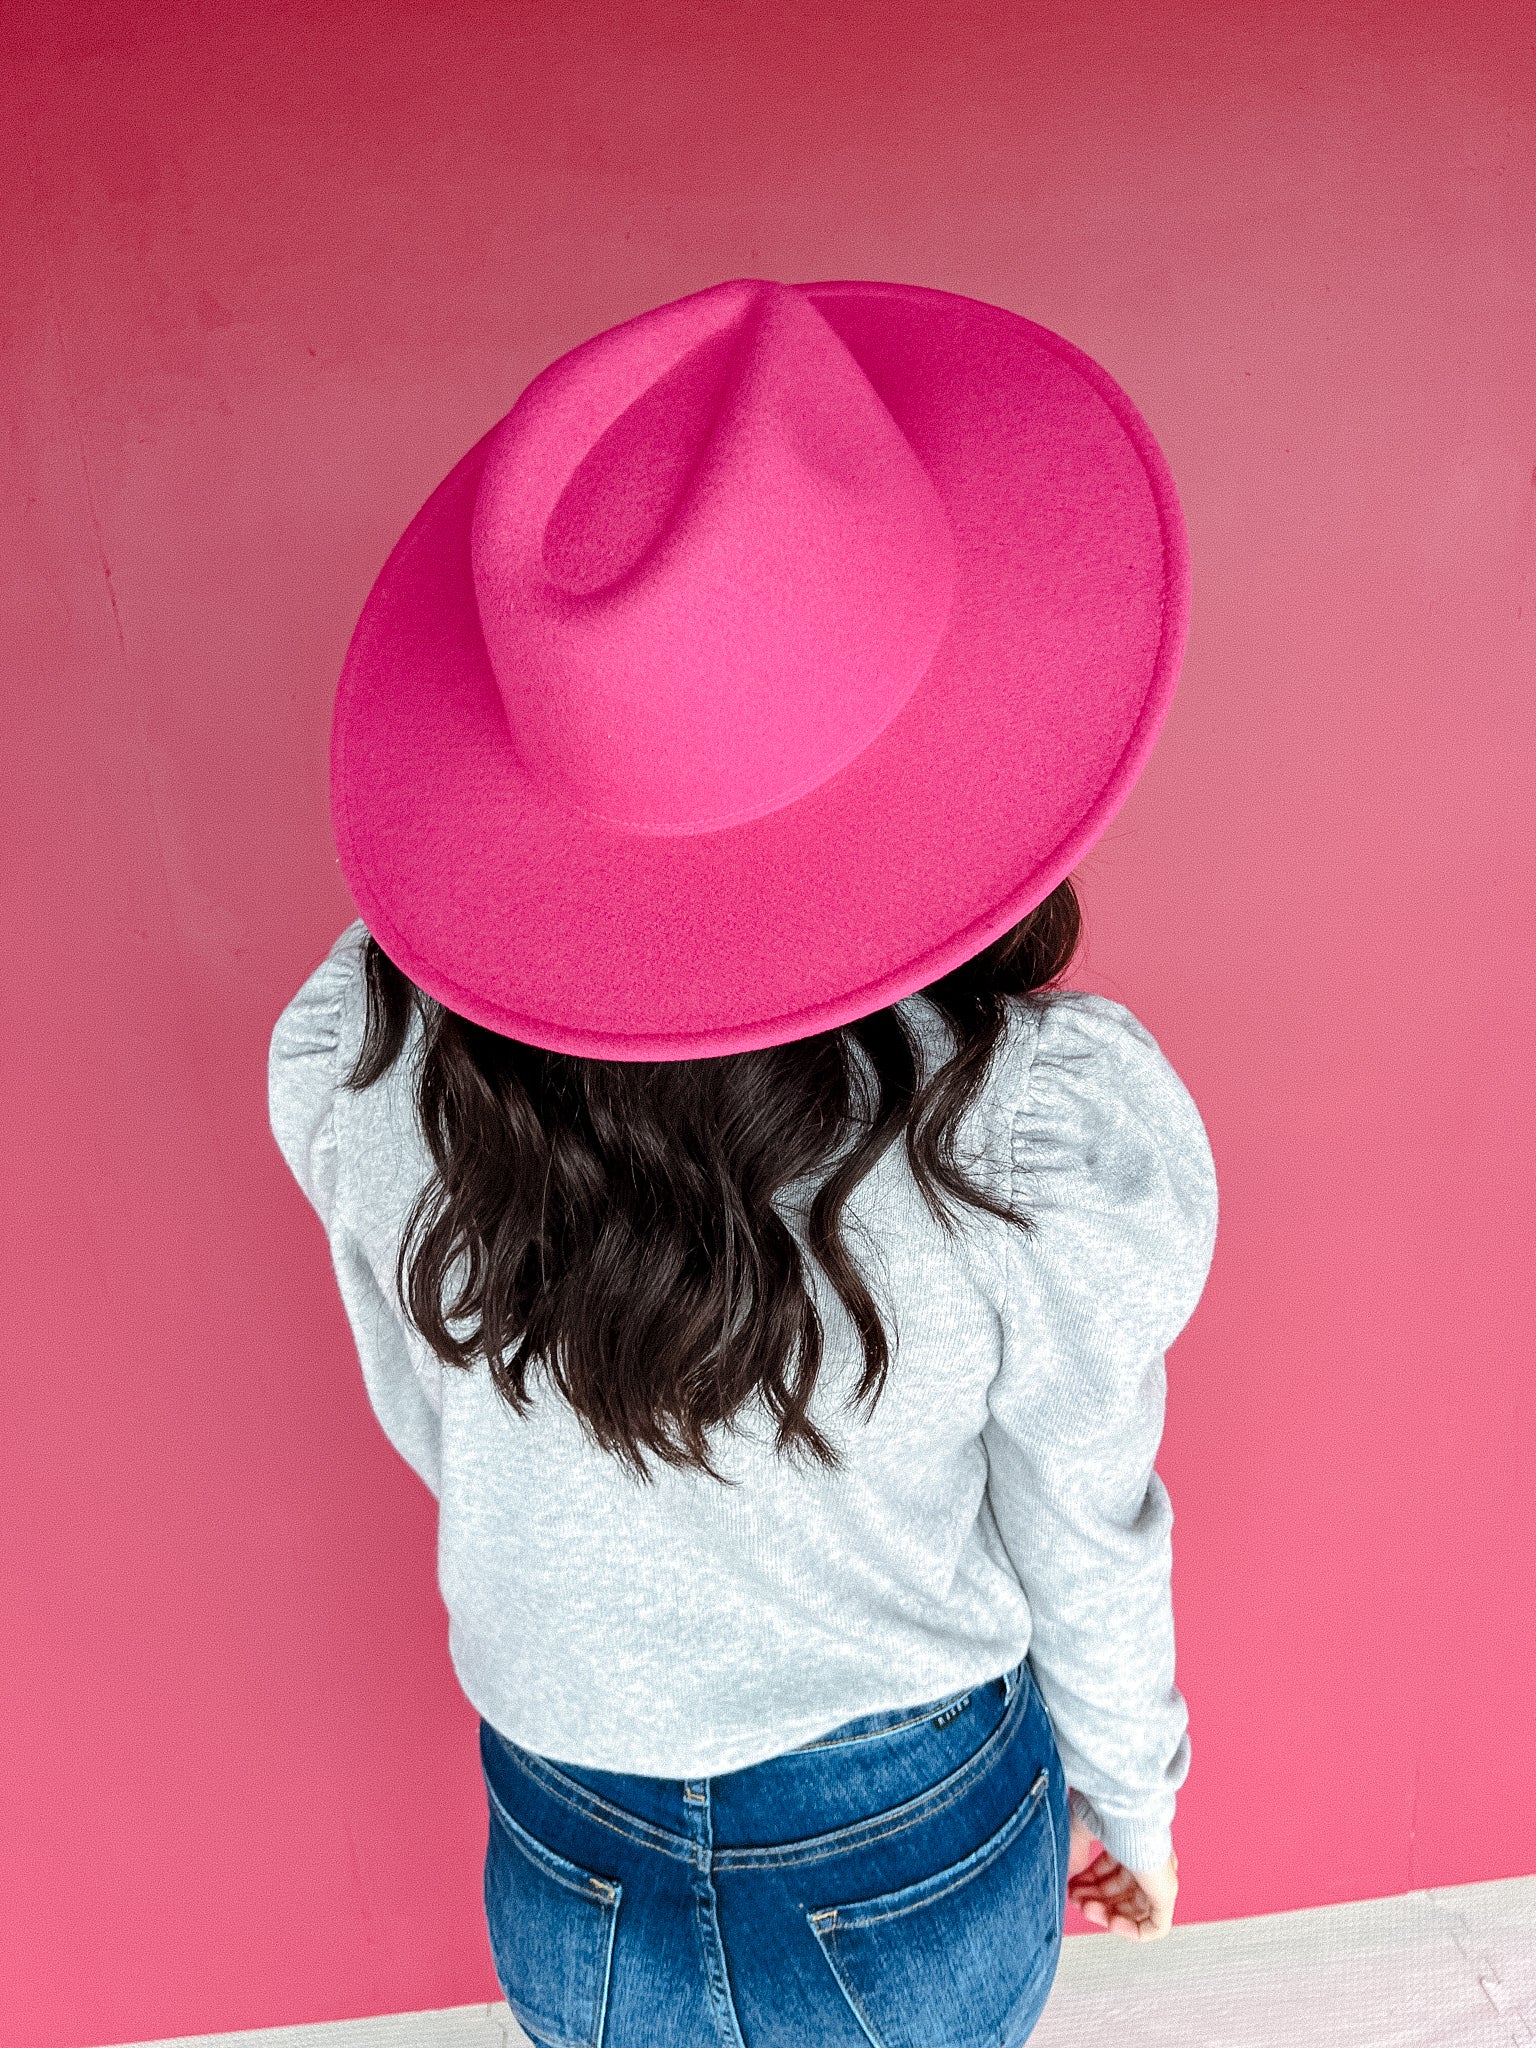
[709, 567]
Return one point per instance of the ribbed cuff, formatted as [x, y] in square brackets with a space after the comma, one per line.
[1139, 1845]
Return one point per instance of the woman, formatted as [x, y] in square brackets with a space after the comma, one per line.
[708, 765]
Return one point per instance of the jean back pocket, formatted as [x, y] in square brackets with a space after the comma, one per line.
[966, 1957]
[551, 1926]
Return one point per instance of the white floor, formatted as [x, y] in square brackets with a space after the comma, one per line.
[1448, 1968]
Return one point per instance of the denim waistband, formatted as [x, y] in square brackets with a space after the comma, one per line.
[902, 1717]
[798, 1804]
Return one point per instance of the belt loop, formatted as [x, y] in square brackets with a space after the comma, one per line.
[1010, 1679]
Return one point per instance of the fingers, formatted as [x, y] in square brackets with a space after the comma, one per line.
[1115, 1923]
[1119, 1922]
[1136, 1905]
[1108, 1881]
[1113, 1899]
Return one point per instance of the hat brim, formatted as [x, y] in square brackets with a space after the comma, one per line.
[1016, 749]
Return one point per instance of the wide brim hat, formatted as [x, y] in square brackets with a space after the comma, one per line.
[779, 649]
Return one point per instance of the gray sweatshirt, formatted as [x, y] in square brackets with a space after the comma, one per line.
[1000, 1501]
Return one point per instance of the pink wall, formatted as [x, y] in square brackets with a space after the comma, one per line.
[270, 271]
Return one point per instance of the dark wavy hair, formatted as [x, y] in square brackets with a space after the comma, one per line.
[614, 1217]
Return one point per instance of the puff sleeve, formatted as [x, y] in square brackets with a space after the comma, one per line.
[312, 1048]
[303, 1062]
[1111, 1159]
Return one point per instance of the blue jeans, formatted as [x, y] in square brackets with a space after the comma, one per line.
[900, 1881]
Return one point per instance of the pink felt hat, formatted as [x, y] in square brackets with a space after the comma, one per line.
[779, 649]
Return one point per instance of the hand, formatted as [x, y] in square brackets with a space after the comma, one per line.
[1136, 1904]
